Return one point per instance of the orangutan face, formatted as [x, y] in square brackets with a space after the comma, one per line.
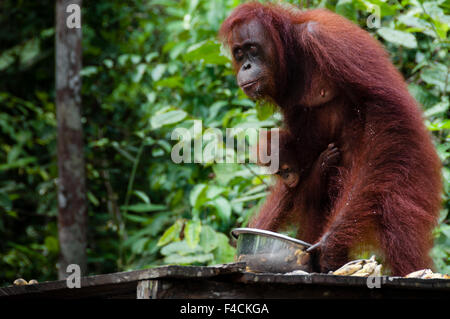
[254, 59]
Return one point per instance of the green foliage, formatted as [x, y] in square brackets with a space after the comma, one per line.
[150, 67]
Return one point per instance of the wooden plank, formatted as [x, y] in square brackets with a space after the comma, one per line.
[348, 281]
[98, 283]
[230, 281]
[312, 286]
[215, 289]
[148, 289]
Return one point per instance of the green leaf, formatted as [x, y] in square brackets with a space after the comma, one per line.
[417, 23]
[207, 52]
[108, 63]
[225, 172]
[139, 245]
[171, 234]
[30, 52]
[5, 201]
[250, 198]
[123, 59]
[180, 248]
[142, 196]
[135, 58]
[443, 215]
[445, 229]
[197, 196]
[264, 110]
[186, 260]
[208, 239]
[140, 70]
[347, 9]
[224, 253]
[439, 108]
[398, 37]
[441, 28]
[223, 208]
[158, 72]
[443, 151]
[167, 118]
[155, 225]
[18, 163]
[88, 71]
[94, 201]
[192, 231]
[438, 125]
[143, 208]
[436, 74]
[7, 58]
[446, 178]
[149, 57]
[52, 244]
[213, 191]
[136, 218]
[171, 82]
[255, 189]
[387, 9]
[422, 95]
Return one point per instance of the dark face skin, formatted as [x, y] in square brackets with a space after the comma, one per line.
[254, 59]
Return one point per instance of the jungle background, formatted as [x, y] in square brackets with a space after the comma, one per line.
[148, 67]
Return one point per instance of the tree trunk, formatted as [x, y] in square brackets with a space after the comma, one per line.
[72, 206]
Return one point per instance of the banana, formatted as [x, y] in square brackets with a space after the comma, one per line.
[435, 276]
[360, 267]
[427, 274]
[377, 271]
[366, 270]
[419, 273]
[349, 269]
[370, 267]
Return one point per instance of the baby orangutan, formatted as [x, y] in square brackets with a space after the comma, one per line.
[295, 178]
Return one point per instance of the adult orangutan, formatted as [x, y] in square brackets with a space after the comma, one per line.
[335, 84]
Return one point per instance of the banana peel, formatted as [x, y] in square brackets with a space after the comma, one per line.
[370, 267]
[427, 274]
[360, 268]
[366, 270]
[347, 270]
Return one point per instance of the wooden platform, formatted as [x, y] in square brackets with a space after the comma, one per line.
[231, 281]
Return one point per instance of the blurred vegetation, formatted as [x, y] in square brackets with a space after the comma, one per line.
[150, 66]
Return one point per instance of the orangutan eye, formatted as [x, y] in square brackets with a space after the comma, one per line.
[238, 54]
[253, 50]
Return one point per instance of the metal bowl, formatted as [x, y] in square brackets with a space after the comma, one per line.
[266, 251]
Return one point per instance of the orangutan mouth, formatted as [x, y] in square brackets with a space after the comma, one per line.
[249, 84]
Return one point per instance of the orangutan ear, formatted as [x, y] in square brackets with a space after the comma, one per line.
[291, 180]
